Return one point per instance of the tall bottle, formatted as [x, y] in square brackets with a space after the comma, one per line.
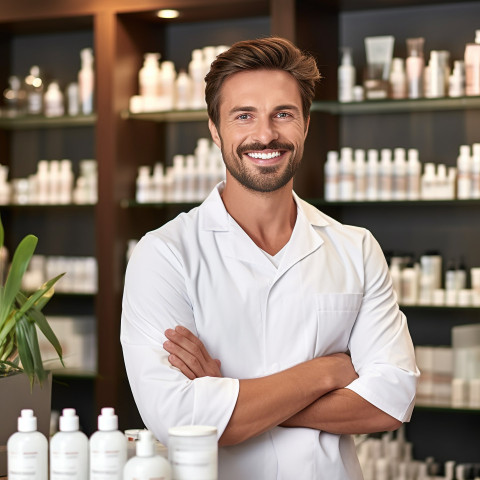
[196, 71]
[331, 172]
[372, 175]
[145, 465]
[86, 81]
[472, 66]
[346, 76]
[108, 448]
[69, 449]
[414, 66]
[34, 87]
[14, 97]
[27, 450]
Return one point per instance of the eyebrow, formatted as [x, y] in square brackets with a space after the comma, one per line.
[248, 108]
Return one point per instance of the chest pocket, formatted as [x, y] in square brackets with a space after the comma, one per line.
[336, 314]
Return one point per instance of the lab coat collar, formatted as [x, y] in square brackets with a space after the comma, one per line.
[304, 240]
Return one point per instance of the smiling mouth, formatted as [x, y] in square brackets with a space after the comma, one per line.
[264, 156]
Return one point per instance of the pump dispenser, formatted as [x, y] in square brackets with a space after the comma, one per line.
[69, 449]
[86, 81]
[146, 465]
[108, 448]
[27, 450]
[346, 76]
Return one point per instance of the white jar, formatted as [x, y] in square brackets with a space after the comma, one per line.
[193, 452]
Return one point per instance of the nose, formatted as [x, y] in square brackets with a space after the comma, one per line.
[265, 130]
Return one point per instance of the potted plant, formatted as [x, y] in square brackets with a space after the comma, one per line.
[24, 381]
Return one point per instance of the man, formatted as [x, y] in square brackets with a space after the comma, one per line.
[255, 312]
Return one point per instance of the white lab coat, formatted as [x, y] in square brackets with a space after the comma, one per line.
[331, 293]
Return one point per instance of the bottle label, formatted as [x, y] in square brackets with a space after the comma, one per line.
[66, 466]
[194, 465]
[25, 465]
[106, 465]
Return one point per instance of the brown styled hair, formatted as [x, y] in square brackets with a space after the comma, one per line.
[272, 53]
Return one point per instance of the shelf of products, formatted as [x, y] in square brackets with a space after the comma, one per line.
[39, 122]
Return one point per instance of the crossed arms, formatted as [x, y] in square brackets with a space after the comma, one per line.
[310, 394]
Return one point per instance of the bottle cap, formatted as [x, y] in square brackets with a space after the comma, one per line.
[107, 421]
[145, 446]
[69, 420]
[27, 422]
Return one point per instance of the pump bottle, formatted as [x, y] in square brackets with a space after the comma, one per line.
[146, 465]
[27, 450]
[86, 81]
[69, 449]
[108, 448]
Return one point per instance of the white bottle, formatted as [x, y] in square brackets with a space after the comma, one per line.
[73, 99]
[346, 76]
[464, 177]
[398, 79]
[145, 465]
[54, 106]
[34, 90]
[66, 182]
[414, 66]
[385, 174]
[429, 182]
[413, 175]
[399, 175]
[69, 449]
[472, 66]
[475, 170]
[183, 91]
[456, 81]
[167, 85]
[108, 448]
[332, 173]
[144, 185]
[86, 81]
[27, 450]
[346, 183]
[196, 72]
[436, 76]
[409, 285]
[372, 174]
[360, 172]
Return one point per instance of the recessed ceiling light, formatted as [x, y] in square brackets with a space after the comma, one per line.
[166, 13]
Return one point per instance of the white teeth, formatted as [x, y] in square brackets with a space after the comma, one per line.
[264, 156]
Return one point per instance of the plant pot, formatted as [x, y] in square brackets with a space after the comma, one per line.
[16, 395]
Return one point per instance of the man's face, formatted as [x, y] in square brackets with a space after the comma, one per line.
[261, 130]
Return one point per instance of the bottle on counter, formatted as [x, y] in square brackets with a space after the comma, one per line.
[27, 450]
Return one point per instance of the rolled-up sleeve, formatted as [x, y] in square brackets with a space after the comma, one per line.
[380, 344]
[155, 298]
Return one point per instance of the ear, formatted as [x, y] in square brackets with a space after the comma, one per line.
[307, 124]
[214, 133]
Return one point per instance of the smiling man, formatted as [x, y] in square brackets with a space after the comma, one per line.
[257, 313]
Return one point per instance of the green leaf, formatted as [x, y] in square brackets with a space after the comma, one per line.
[20, 261]
[7, 327]
[24, 350]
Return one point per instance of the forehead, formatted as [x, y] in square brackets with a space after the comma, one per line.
[260, 88]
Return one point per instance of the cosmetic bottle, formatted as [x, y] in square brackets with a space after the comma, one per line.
[108, 448]
[158, 183]
[148, 77]
[360, 173]
[65, 182]
[372, 174]
[53, 101]
[86, 81]
[436, 76]
[456, 81]
[143, 184]
[428, 182]
[399, 174]
[464, 178]
[409, 284]
[414, 66]
[196, 72]
[385, 174]
[73, 99]
[346, 76]
[145, 465]
[451, 284]
[34, 89]
[398, 79]
[69, 449]
[413, 174]
[472, 66]
[332, 177]
[461, 276]
[346, 180]
[27, 450]
[167, 85]
[475, 171]
[183, 91]
[14, 97]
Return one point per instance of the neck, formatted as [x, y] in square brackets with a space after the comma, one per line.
[267, 218]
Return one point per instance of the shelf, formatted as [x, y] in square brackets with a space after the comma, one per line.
[59, 206]
[396, 106]
[440, 307]
[27, 122]
[171, 116]
[443, 408]
[73, 373]
[407, 203]
[134, 204]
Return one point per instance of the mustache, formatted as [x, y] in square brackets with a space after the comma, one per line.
[273, 145]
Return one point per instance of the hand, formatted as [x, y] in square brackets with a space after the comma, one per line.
[189, 355]
[341, 369]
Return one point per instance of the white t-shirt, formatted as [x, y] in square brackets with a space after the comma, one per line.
[330, 293]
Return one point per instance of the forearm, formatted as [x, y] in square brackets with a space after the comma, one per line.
[343, 411]
[264, 403]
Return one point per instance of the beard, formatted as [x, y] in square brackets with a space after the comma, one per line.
[259, 178]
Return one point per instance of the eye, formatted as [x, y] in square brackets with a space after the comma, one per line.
[283, 115]
[243, 116]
